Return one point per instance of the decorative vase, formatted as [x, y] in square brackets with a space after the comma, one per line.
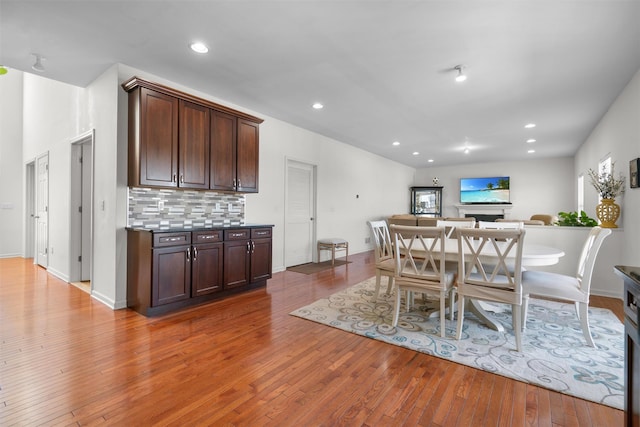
[608, 212]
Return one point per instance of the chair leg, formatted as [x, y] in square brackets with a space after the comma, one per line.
[460, 316]
[525, 310]
[584, 321]
[516, 314]
[390, 285]
[396, 308]
[443, 325]
[452, 299]
[577, 306]
[377, 290]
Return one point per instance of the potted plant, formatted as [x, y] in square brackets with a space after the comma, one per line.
[609, 187]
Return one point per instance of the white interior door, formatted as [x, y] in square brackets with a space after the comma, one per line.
[42, 210]
[30, 210]
[86, 244]
[300, 212]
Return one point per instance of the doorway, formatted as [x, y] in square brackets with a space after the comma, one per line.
[300, 202]
[81, 211]
[30, 210]
[42, 211]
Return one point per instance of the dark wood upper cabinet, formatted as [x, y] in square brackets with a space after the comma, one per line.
[247, 153]
[194, 146]
[179, 140]
[153, 136]
[223, 151]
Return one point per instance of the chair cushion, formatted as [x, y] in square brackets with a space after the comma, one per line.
[332, 241]
[552, 285]
[388, 264]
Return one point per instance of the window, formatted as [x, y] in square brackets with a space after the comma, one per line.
[580, 192]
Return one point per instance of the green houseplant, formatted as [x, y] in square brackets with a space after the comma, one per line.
[575, 219]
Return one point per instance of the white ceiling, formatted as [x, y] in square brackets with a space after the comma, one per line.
[381, 68]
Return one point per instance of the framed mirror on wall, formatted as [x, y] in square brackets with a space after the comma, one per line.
[426, 201]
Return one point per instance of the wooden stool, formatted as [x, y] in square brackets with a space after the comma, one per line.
[332, 244]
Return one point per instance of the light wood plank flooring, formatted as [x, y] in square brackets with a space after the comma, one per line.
[66, 359]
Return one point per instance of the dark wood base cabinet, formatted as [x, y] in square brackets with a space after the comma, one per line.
[170, 270]
[631, 278]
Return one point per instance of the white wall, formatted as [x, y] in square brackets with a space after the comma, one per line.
[538, 186]
[109, 204]
[618, 135]
[11, 169]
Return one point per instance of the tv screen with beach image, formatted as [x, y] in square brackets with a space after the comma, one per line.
[484, 190]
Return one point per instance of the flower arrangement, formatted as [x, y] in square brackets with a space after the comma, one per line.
[606, 184]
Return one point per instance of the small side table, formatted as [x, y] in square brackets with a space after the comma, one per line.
[333, 244]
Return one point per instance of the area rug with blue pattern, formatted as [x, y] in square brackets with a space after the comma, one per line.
[555, 354]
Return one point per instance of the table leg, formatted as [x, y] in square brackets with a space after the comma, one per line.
[474, 306]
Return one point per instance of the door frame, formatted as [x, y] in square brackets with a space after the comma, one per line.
[36, 257]
[29, 209]
[75, 200]
[314, 196]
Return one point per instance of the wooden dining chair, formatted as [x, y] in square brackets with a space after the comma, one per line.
[574, 289]
[420, 267]
[502, 225]
[500, 281]
[383, 253]
[450, 225]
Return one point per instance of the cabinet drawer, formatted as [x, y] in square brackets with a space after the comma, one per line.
[243, 234]
[206, 236]
[260, 233]
[171, 239]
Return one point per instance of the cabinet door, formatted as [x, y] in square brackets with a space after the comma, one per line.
[223, 151]
[171, 276]
[237, 257]
[206, 273]
[248, 151]
[260, 259]
[194, 146]
[158, 139]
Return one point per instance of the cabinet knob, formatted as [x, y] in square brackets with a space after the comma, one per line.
[195, 254]
[181, 179]
[173, 178]
[188, 254]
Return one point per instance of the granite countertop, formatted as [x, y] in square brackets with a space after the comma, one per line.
[212, 228]
[632, 273]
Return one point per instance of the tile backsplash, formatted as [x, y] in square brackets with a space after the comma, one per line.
[165, 208]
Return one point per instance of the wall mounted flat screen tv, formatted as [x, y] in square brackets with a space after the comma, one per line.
[488, 190]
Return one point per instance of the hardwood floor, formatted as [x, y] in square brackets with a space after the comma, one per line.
[69, 360]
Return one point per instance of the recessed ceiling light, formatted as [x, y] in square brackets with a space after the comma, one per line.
[396, 143]
[531, 140]
[199, 47]
[415, 153]
[318, 106]
[531, 151]
[530, 125]
[430, 160]
[466, 151]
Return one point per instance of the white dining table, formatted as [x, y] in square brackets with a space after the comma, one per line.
[533, 255]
